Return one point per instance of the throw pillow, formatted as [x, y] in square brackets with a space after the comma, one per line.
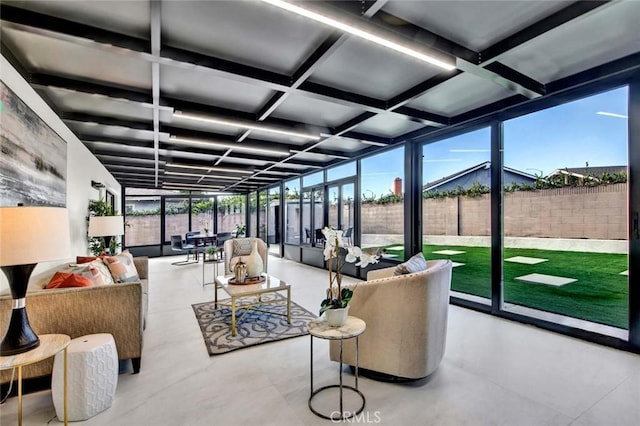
[86, 270]
[241, 247]
[122, 268]
[416, 263]
[65, 279]
[102, 271]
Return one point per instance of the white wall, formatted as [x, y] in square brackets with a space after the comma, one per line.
[82, 168]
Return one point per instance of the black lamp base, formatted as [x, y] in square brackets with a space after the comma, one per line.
[19, 337]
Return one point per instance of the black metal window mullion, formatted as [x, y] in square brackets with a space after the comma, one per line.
[633, 188]
[497, 216]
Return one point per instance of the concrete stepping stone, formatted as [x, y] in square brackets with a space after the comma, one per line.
[395, 248]
[625, 272]
[456, 264]
[526, 260]
[449, 252]
[546, 279]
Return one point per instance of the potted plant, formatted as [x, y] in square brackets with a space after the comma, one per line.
[335, 305]
[240, 230]
[211, 252]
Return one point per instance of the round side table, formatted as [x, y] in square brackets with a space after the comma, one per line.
[352, 328]
[50, 345]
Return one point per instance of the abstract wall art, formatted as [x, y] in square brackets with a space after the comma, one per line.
[33, 158]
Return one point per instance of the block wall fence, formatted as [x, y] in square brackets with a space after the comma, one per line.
[578, 212]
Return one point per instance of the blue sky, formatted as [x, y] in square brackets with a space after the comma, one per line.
[568, 135]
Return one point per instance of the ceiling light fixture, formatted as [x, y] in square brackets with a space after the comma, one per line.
[244, 125]
[210, 168]
[361, 33]
[200, 175]
[299, 151]
[189, 186]
[228, 145]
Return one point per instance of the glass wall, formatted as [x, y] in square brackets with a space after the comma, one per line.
[382, 207]
[565, 230]
[202, 219]
[273, 220]
[292, 211]
[253, 214]
[262, 215]
[456, 208]
[231, 212]
[142, 216]
[176, 218]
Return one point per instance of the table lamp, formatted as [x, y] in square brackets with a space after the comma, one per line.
[106, 227]
[28, 235]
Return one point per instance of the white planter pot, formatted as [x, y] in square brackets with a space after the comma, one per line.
[336, 317]
[254, 262]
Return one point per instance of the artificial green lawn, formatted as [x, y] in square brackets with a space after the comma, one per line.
[600, 293]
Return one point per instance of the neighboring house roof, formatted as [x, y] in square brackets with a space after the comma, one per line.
[486, 165]
[588, 171]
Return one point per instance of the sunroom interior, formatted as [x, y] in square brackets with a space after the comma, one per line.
[504, 136]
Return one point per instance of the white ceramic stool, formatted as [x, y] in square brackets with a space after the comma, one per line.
[92, 376]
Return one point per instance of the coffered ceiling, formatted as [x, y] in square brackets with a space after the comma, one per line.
[234, 95]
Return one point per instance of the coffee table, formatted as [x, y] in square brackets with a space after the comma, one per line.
[241, 291]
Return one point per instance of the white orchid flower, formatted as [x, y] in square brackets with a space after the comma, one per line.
[366, 259]
[353, 253]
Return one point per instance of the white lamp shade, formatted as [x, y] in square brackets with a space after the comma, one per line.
[106, 226]
[33, 234]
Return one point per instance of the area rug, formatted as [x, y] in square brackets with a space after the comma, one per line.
[255, 328]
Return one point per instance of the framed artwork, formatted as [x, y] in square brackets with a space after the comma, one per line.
[33, 164]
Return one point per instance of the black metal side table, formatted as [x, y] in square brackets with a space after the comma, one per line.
[352, 328]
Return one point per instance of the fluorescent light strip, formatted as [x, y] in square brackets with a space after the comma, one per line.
[203, 176]
[364, 141]
[189, 185]
[209, 168]
[611, 114]
[226, 145]
[360, 33]
[244, 125]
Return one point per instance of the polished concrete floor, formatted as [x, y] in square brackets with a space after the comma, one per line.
[495, 372]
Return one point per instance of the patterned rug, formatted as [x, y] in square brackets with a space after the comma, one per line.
[255, 328]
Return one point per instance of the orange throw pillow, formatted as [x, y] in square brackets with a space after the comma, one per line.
[65, 279]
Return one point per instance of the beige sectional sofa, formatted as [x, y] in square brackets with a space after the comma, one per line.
[119, 309]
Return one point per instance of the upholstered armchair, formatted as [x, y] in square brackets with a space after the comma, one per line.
[238, 249]
[406, 317]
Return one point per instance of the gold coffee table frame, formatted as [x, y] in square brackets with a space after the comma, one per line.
[241, 291]
[50, 345]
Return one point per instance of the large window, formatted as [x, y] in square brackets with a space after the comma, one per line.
[253, 214]
[456, 209]
[262, 215]
[273, 220]
[231, 212]
[292, 211]
[382, 209]
[565, 229]
[176, 218]
[142, 215]
[202, 214]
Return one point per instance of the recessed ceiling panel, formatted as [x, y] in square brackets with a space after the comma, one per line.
[611, 33]
[54, 56]
[118, 149]
[71, 101]
[126, 17]
[234, 161]
[473, 24]
[462, 93]
[199, 85]
[98, 130]
[343, 145]
[371, 70]
[248, 32]
[314, 111]
[387, 125]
